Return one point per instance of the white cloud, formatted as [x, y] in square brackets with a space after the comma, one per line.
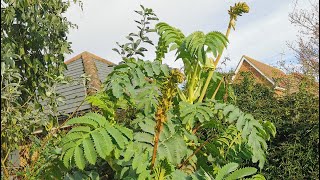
[261, 34]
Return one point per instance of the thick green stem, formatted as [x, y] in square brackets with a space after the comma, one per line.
[192, 84]
[205, 87]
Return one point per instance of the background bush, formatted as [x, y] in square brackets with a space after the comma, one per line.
[294, 152]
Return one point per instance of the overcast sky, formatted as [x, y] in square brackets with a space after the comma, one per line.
[261, 34]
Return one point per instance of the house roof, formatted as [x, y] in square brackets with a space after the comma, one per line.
[90, 55]
[270, 73]
[74, 93]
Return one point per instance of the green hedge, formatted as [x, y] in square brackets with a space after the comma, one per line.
[294, 153]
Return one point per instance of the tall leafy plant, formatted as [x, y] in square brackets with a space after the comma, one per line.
[34, 41]
[159, 137]
[33, 45]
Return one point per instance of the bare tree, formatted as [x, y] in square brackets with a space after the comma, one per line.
[307, 45]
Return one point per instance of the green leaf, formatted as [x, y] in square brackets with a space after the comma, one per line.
[140, 76]
[89, 151]
[173, 47]
[148, 69]
[226, 169]
[101, 120]
[127, 132]
[233, 115]
[240, 122]
[258, 177]
[82, 120]
[240, 173]
[107, 140]
[80, 129]
[117, 90]
[147, 127]
[164, 68]
[79, 158]
[179, 175]
[228, 109]
[156, 68]
[67, 157]
[117, 136]
[143, 137]
[100, 144]
[73, 136]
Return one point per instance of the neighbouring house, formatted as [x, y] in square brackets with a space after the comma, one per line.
[261, 72]
[274, 77]
[74, 93]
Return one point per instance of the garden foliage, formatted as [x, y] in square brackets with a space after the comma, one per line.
[33, 45]
[294, 153]
[150, 128]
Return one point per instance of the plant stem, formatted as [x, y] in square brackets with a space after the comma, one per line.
[156, 140]
[195, 152]
[216, 91]
[205, 87]
[168, 92]
[6, 173]
[191, 88]
[3, 163]
[197, 127]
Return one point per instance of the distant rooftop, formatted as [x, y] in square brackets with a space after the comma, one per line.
[269, 71]
[271, 74]
[95, 67]
[89, 55]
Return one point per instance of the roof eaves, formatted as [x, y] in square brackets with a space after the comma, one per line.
[264, 75]
[244, 58]
[73, 59]
[275, 72]
[238, 68]
[279, 88]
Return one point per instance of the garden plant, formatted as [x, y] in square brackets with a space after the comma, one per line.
[148, 127]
